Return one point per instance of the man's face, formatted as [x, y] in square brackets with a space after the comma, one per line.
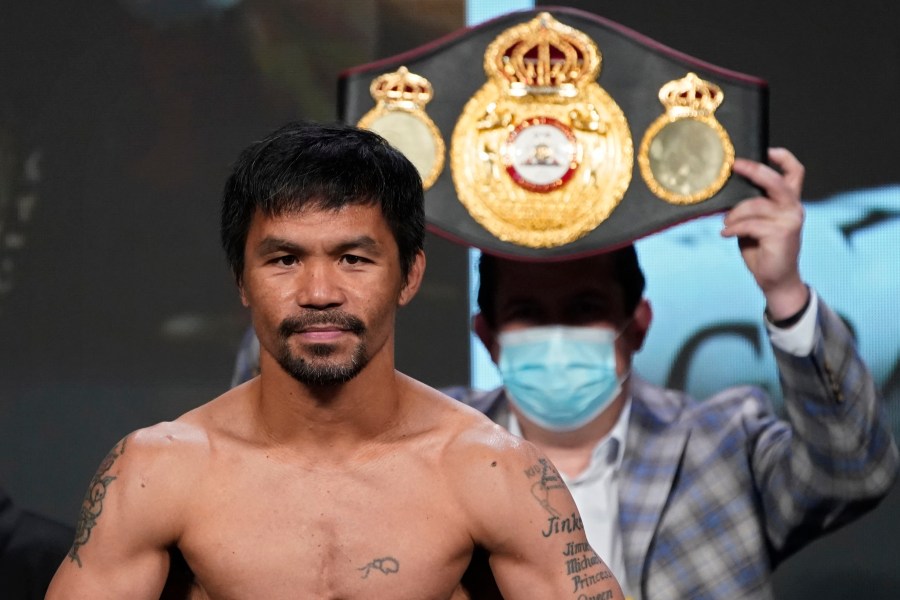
[582, 292]
[323, 288]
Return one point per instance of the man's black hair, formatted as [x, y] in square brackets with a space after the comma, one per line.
[305, 164]
[626, 270]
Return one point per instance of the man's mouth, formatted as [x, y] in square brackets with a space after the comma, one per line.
[321, 333]
[322, 327]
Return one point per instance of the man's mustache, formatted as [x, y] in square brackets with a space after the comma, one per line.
[335, 318]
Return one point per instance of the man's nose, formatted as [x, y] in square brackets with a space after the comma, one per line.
[319, 288]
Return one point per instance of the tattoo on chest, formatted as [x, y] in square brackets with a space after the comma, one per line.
[92, 505]
[386, 565]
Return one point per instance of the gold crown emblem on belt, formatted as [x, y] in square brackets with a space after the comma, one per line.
[541, 154]
[691, 95]
[686, 155]
[399, 116]
[543, 57]
[403, 88]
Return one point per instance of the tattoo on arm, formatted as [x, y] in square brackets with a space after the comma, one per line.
[549, 479]
[583, 566]
[92, 505]
[586, 570]
[386, 565]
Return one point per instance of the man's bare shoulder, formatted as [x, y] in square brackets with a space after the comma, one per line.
[467, 429]
[155, 465]
[189, 434]
[163, 455]
[476, 451]
[165, 442]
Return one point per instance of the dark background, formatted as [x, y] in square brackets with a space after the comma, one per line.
[118, 123]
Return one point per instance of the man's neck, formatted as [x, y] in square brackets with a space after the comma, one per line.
[291, 413]
[571, 451]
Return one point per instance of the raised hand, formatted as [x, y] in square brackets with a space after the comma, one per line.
[768, 228]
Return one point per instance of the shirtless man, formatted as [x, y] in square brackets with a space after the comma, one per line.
[331, 475]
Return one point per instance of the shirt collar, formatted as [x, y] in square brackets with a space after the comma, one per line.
[609, 450]
[619, 433]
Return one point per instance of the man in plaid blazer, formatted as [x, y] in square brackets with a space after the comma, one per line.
[689, 499]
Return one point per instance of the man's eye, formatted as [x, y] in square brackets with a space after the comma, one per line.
[352, 259]
[286, 261]
[525, 313]
[589, 310]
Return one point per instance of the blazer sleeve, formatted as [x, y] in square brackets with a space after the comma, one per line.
[837, 458]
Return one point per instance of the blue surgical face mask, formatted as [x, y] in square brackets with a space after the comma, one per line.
[559, 377]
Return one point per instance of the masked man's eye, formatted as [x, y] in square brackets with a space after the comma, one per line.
[588, 310]
[522, 313]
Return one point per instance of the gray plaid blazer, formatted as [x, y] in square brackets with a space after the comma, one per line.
[714, 495]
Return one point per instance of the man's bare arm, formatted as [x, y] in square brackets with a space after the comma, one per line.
[126, 524]
[531, 527]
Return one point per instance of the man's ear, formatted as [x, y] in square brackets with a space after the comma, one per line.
[413, 279]
[640, 324]
[243, 294]
[487, 335]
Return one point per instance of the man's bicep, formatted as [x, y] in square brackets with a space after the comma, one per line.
[567, 568]
[542, 551]
[138, 576]
[116, 551]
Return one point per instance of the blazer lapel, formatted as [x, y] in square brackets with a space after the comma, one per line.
[653, 452]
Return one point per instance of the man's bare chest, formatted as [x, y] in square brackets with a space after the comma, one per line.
[383, 531]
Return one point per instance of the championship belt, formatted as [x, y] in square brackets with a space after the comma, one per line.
[568, 134]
